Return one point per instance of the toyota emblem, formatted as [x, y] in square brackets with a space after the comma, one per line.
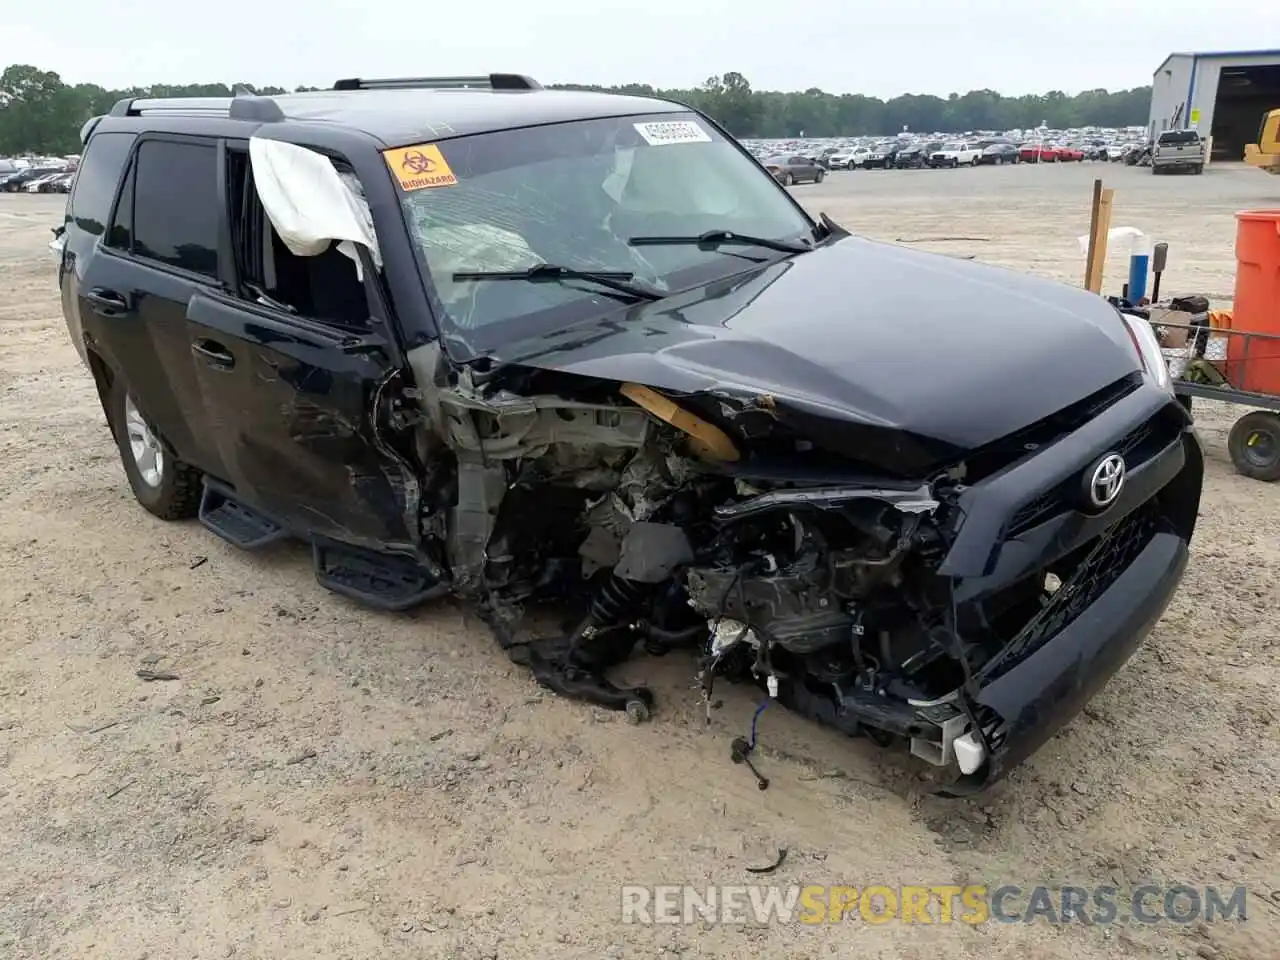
[1106, 481]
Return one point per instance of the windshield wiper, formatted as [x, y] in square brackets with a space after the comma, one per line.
[713, 238]
[618, 281]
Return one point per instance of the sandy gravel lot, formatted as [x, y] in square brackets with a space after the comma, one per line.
[326, 781]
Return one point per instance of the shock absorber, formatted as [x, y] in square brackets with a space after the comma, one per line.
[618, 597]
[609, 608]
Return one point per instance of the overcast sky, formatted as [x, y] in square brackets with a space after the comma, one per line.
[882, 47]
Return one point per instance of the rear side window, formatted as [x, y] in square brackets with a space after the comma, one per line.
[175, 205]
[97, 178]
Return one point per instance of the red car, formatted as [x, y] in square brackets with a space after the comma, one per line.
[1038, 153]
[1070, 154]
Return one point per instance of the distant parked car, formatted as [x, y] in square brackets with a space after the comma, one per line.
[793, 168]
[999, 153]
[840, 159]
[1038, 153]
[850, 158]
[41, 184]
[883, 155]
[912, 156]
[56, 184]
[1070, 154]
[17, 182]
[956, 154]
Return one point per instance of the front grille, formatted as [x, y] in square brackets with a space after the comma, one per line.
[1093, 568]
[1137, 447]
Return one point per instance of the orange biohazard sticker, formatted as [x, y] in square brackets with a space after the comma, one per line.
[420, 167]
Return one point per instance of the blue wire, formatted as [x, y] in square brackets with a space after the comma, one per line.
[754, 718]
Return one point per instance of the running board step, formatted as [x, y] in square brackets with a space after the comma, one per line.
[378, 580]
[235, 523]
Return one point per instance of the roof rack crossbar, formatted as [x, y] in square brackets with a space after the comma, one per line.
[261, 109]
[490, 81]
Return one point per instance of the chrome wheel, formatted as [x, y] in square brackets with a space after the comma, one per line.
[148, 454]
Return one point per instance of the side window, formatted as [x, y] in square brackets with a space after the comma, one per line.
[120, 235]
[175, 205]
[325, 287]
[95, 184]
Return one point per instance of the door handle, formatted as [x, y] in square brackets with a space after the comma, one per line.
[108, 303]
[213, 353]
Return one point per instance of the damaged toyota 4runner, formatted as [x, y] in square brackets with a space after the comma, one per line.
[578, 360]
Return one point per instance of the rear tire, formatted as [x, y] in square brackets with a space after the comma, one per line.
[164, 485]
[817, 177]
[1254, 445]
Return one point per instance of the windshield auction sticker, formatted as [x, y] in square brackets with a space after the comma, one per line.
[420, 167]
[659, 133]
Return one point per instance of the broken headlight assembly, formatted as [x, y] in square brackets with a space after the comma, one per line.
[1148, 347]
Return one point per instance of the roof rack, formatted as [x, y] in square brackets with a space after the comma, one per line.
[490, 81]
[261, 109]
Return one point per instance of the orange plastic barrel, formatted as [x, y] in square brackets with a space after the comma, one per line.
[1255, 365]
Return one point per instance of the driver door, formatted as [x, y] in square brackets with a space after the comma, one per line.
[290, 370]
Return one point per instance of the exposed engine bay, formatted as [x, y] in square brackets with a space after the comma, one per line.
[649, 523]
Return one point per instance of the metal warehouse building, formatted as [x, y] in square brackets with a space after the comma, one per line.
[1222, 95]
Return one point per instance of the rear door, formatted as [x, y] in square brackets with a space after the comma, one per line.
[127, 300]
[161, 248]
[85, 221]
[292, 367]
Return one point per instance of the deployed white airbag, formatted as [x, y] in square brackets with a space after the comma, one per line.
[309, 203]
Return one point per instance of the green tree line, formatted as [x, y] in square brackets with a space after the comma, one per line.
[42, 114]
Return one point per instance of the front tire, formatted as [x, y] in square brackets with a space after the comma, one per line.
[788, 180]
[817, 177]
[164, 485]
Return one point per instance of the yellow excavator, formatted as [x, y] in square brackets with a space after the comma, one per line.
[1265, 154]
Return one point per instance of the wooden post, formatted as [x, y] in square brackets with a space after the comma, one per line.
[1099, 227]
[1093, 233]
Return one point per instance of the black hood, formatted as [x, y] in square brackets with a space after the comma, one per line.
[863, 332]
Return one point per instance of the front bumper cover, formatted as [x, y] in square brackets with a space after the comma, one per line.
[1037, 697]
[1028, 700]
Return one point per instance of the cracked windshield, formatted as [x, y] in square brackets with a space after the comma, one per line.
[577, 196]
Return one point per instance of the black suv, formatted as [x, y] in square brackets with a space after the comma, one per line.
[575, 352]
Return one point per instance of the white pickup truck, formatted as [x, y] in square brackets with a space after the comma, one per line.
[956, 154]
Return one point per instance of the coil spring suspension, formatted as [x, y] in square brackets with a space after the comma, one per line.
[615, 600]
[608, 608]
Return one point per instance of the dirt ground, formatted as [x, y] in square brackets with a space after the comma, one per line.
[326, 781]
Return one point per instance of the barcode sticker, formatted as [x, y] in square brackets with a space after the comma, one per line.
[659, 133]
